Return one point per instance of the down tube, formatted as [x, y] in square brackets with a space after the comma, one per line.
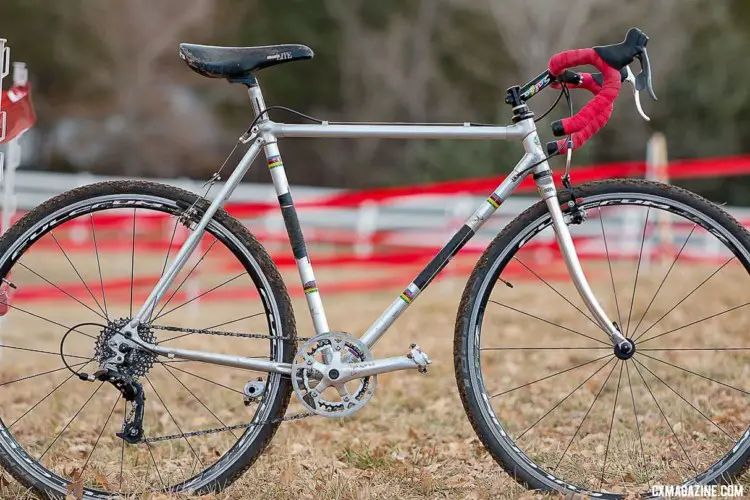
[444, 256]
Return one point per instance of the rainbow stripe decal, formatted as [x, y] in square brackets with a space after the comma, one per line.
[310, 287]
[494, 200]
[407, 296]
[274, 161]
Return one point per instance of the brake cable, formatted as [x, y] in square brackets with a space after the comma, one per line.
[576, 214]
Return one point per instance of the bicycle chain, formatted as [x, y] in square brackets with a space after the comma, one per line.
[227, 334]
[228, 428]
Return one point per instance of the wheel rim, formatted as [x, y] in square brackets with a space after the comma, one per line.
[529, 424]
[181, 396]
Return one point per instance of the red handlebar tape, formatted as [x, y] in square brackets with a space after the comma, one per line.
[594, 115]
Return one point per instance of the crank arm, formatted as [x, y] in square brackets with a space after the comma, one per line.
[415, 360]
[221, 359]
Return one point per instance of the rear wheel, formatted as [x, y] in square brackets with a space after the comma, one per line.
[544, 389]
[79, 264]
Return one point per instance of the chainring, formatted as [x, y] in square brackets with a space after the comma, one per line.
[335, 400]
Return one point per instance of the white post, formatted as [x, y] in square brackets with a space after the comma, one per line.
[365, 227]
[656, 170]
[20, 78]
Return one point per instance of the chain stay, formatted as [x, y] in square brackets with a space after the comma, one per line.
[228, 428]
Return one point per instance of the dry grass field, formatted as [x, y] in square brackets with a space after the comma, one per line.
[413, 440]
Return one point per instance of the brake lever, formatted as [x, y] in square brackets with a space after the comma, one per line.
[643, 80]
[633, 80]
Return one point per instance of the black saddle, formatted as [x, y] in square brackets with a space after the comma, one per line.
[238, 63]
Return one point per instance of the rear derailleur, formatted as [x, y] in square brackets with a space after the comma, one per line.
[132, 391]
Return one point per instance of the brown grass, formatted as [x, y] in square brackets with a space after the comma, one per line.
[413, 440]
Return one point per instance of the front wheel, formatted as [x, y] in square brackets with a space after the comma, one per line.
[544, 389]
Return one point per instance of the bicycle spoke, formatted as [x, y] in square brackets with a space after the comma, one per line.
[609, 263]
[47, 320]
[179, 429]
[547, 321]
[43, 373]
[665, 417]
[198, 399]
[61, 290]
[585, 416]
[48, 394]
[166, 259]
[696, 374]
[611, 425]
[684, 299]
[204, 379]
[558, 293]
[122, 444]
[637, 270]
[5, 346]
[695, 322]
[132, 266]
[99, 266]
[148, 446]
[77, 273]
[235, 320]
[158, 314]
[542, 348]
[70, 421]
[199, 296]
[683, 398]
[96, 443]
[169, 247]
[695, 349]
[638, 427]
[664, 280]
[563, 399]
[550, 376]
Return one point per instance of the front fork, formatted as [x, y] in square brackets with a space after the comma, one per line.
[548, 192]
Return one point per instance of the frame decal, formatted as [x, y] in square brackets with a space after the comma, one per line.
[274, 162]
[494, 200]
[310, 287]
[407, 296]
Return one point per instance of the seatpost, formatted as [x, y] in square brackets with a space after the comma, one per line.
[256, 97]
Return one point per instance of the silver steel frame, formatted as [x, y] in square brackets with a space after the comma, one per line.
[265, 136]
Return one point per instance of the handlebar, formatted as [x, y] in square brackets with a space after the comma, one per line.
[612, 62]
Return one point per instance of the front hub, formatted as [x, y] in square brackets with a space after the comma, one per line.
[625, 350]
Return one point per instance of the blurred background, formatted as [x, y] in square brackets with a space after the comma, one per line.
[113, 97]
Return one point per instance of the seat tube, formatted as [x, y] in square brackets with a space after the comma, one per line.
[291, 221]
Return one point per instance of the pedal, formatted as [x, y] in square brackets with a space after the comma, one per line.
[419, 357]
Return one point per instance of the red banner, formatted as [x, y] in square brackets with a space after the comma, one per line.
[19, 110]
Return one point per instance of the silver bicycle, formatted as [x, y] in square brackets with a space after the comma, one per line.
[138, 406]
